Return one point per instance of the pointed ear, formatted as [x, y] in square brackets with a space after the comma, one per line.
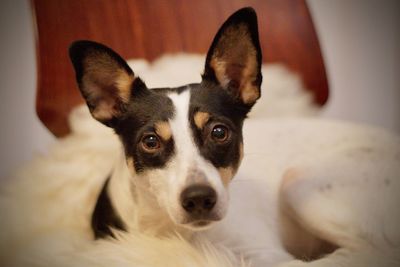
[104, 78]
[234, 58]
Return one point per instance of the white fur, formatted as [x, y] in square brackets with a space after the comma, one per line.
[341, 180]
[48, 205]
[187, 162]
[46, 211]
[360, 215]
[150, 200]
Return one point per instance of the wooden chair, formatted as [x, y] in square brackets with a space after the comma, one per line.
[147, 29]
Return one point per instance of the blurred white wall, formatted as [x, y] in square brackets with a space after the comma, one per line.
[21, 135]
[360, 40]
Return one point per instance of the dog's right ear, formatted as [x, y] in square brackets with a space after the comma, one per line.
[105, 80]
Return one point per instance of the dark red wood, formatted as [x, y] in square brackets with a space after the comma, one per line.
[147, 29]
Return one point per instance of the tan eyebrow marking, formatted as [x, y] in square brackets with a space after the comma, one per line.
[201, 118]
[163, 129]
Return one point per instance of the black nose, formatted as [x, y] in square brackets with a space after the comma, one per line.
[198, 199]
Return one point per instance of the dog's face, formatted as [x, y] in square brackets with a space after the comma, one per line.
[183, 145]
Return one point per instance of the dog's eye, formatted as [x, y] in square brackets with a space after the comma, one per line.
[150, 143]
[219, 133]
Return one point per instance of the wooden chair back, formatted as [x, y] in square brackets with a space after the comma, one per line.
[147, 29]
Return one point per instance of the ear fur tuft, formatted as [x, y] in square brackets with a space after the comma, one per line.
[234, 58]
[104, 78]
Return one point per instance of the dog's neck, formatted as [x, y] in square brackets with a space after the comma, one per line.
[136, 206]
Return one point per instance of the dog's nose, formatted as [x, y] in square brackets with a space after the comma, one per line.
[198, 199]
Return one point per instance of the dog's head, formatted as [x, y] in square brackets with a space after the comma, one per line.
[183, 144]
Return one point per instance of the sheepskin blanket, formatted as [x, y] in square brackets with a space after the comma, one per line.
[46, 209]
[46, 205]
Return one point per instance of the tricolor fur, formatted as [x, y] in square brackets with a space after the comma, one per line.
[182, 145]
[326, 193]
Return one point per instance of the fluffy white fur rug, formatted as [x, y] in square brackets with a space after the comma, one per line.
[46, 209]
[46, 206]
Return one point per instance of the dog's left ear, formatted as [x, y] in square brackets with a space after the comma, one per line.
[234, 58]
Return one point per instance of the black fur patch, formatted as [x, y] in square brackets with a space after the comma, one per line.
[138, 115]
[148, 107]
[223, 108]
[154, 105]
[104, 216]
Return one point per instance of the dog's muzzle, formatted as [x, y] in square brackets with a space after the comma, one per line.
[198, 202]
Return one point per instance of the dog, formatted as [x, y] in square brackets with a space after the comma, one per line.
[184, 145]
[308, 192]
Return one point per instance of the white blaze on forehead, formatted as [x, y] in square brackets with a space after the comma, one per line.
[185, 148]
[186, 151]
[180, 127]
[187, 166]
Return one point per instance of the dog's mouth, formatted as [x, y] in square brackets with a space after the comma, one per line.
[199, 225]
[201, 222]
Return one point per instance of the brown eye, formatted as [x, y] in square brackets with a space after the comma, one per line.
[150, 143]
[219, 133]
